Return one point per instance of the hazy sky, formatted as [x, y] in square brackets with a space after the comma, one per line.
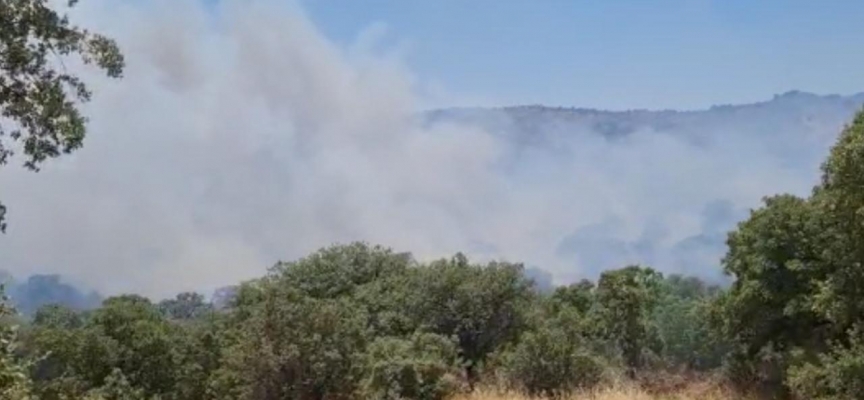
[616, 54]
[250, 131]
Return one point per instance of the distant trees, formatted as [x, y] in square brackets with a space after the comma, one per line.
[355, 320]
[186, 306]
[39, 290]
[358, 320]
[347, 321]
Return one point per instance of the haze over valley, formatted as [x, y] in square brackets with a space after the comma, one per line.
[568, 191]
[243, 134]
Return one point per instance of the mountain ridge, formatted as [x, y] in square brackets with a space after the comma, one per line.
[788, 134]
[793, 94]
[792, 110]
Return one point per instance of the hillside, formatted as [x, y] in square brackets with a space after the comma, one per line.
[791, 113]
[576, 191]
[664, 187]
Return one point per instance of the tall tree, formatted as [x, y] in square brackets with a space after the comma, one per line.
[840, 198]
[797, 264]
[483, 306]
[39, 97]
[627, 298]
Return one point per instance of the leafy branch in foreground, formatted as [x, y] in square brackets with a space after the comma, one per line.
[39, 98]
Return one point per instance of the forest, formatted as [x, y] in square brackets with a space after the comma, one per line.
[363, 321]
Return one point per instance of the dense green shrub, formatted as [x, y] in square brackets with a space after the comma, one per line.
[548, 361]
[838, 374]
[683, 321]
[484, 306]
[423, 367]
[294, 346]
[116, 387]
[626, 301]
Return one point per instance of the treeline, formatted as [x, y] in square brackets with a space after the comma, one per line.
[28, 295]
[358, 321]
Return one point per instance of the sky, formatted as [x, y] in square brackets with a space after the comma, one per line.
[245, 132]
[680, 54]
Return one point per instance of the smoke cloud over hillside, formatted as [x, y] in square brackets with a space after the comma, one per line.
[240, 136]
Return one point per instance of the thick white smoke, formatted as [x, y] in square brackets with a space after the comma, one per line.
[240, 135]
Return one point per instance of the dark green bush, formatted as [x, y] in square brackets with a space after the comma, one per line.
[839, 374]
[549, 361]
[423, 367]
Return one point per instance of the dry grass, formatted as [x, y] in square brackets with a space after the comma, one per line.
[693, 391]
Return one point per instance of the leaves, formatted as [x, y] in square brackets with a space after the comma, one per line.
[627, 298]
[15, 382]
[39, 98]
[424, 367]
[549, 361]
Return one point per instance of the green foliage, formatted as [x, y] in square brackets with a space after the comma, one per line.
[483, 306]
[769, 310]
[294, 346]
[683, 320]
[145, 342]
[15, 382]
[339, 270]
[578, 295]
[840, 201]
[57, 317]
[127, 342]
[116, 387]
[550, 360]
[774, 257]
[200, 352]
[626, 299]
[39, 100]
[837, 374]
[186, 306]
[423, 367]
[798, 293]
[358, 321]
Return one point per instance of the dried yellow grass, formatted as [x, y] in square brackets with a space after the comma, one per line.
[695, 391]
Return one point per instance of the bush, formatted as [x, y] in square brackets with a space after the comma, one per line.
[839, 374]
[292, 346]
[549, 362]
[764, 371]
[116, 387]
[423, 367]
[15, 383]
